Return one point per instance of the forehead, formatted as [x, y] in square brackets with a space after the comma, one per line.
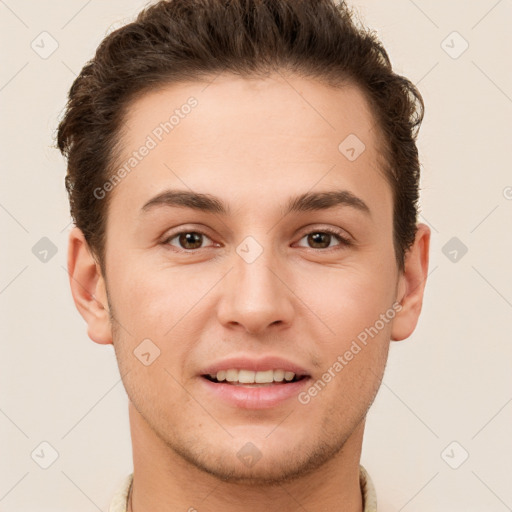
[250, 136]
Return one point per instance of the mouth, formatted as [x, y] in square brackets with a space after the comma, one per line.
[244, 381]
[254, 379]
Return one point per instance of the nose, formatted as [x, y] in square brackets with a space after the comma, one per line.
[256, 295]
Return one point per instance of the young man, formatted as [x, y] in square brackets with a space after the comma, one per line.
[243, 176]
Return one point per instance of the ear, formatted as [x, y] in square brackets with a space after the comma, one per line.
[88, 288]
[411, 285]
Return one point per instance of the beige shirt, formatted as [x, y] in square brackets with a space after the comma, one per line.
[120, 500]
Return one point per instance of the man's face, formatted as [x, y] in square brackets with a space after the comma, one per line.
[255, 282]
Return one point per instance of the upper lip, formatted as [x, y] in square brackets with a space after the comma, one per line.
[256, 364]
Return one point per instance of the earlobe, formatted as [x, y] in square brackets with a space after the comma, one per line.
[88, 288]
[412, 285]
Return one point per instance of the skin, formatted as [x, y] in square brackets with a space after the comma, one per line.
[253, 144]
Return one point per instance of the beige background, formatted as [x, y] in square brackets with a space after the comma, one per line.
[450, 382]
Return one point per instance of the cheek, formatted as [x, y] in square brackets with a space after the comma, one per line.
[354, 353]
[164, 306]
[350, 300]
[354, 357]
[153, 299]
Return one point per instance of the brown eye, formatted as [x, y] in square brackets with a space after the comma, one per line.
[322, 239]
[188, 240]
[319, 240]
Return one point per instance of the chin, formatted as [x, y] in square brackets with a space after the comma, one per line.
[242, 462]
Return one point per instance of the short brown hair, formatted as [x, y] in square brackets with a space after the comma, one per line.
[176, 40]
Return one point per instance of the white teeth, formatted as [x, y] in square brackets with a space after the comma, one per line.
[251, 377]
[231, 375]
[278, 375]
[246, 377]
[264, 377]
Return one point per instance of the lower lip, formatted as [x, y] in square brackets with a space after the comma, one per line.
[263, 397]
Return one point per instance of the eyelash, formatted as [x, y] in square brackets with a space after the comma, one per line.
[344, 242]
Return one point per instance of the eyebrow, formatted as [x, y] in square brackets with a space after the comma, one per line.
[309, 201]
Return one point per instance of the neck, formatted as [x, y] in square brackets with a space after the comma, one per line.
[163, 481]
